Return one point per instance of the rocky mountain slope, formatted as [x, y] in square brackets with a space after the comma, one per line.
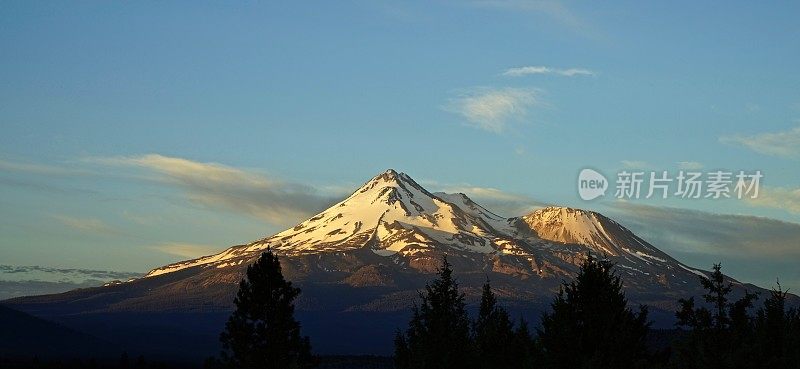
[372, 251]
[392, 229]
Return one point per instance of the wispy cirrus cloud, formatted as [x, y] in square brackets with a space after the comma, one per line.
[45, 273]
[185, 250]
[530, 70]
[778, 198]
[695, 231]
[45, 187]
[30, 280]
[500, 202]
[492, 109]
[784, 144]
[88, 225]
[493, 199]
[751, 248]
[233, 189]
[635, 164]
[691, 165]
[16, 166]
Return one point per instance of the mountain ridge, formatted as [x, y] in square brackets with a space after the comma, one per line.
[394, 215]
[361, 262]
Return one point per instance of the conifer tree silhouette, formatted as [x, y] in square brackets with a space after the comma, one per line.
[720, 337]
[591, 326]
[438, 333]
[493, 333]
[262, 331]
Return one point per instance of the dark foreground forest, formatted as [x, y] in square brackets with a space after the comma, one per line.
[589, 325]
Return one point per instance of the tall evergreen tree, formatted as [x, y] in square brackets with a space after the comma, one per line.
[438, 333]
[262, 332]
[720, 337]
[591, 326]
[526, 350]
[493, 334]
[777, 332]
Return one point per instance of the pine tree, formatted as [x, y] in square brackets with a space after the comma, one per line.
[402, 353]
[720, 337]
[717, 294]
[493, 334]
[590, 325]
[793, 337]
[525, 350]
[262, 331]
[777, 332]
[438, 333]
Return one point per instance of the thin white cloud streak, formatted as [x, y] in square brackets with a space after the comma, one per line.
[783, 198]
[783, 144]
[497, 201]
[88, 225]
[185, 250]
[753, 249]
[699, 232]
[635, 164]
[13, 166]
[494, 110]
[525, 71]
[223, 187]
[31, 273]
[691, 165]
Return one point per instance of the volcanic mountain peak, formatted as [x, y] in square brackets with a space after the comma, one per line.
[594, 230]
[568, 225]
[391, 214]
[390, 188]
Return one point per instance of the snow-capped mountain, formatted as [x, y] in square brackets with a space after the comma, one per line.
[391, 215]
[604, 236]
[401, 223]
[370, 253]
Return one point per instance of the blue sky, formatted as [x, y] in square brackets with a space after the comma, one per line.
[115, 115]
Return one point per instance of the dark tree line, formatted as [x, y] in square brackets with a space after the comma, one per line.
[727, 335]
[441, 335]
[589, 325]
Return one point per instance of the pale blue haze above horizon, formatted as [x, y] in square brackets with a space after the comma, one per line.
[112, 115]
